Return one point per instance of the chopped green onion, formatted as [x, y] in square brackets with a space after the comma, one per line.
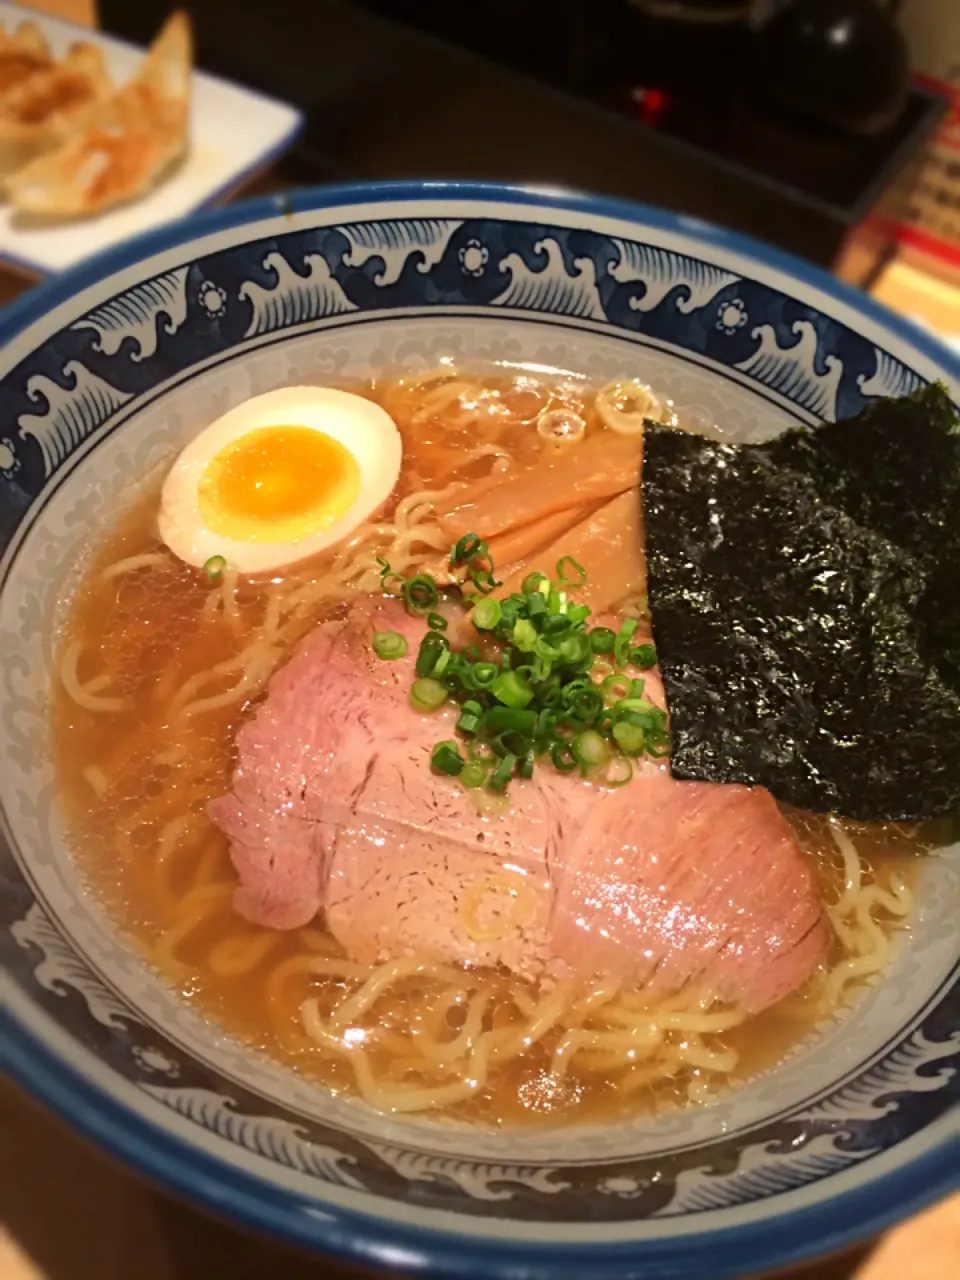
[546, 723]
[540, 669]
[569, 725]
[629, 737]
[510, 743]
[644, 656]
[500, 718]
[442, 663]
[431, 646]
[590, 749]
[486, 614]
[553, 691]
[615, 687]
[427, 694]
[616, 773]
[525, 635]
[637, 711]
[572, 689]
[464, 550]
[471, 717]
[537, 607]
[503, 772]
[446, 758]
[555, 624]
[602, 640]
[587, 705]
[511, 689]
[546, 652]
[604, 722]
[550, 695]
[621, 646]
[390, 645]
[567, 566]
[483, 674]
[632, 704]
[214, 568]
[387, 575]
[574, 649]
[483, 580]
[420, 593]
[634, 711]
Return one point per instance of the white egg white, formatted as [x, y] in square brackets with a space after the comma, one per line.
[362, 427]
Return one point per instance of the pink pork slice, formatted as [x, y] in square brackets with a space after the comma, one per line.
[668, 883]
[334, 808]
[334, 805]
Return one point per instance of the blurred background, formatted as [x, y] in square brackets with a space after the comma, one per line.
[829, 128]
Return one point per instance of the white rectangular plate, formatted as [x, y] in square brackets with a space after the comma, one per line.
[234, 132]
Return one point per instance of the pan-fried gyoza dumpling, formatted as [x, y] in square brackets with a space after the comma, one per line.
[43, 108]
[127, 145]
[22, 52]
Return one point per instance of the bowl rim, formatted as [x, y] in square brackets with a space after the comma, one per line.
[355, 1237]
[42, 298]
[776, 1240]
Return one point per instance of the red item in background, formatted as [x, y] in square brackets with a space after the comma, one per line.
[930, 228]
[650, 104]
[932, 224]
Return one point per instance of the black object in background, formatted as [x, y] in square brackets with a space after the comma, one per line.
[554, 40]
[384, 100]
[842, 63]
[694, 50]
[600, 48]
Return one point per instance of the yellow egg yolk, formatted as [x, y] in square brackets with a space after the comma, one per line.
[278, 484]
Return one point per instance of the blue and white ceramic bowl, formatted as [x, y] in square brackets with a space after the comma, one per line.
[103, 369]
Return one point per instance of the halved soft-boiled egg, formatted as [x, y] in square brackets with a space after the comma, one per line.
[279, 478]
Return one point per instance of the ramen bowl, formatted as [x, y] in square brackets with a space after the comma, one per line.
[109, 367]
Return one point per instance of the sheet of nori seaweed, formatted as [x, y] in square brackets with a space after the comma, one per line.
[805, 598]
